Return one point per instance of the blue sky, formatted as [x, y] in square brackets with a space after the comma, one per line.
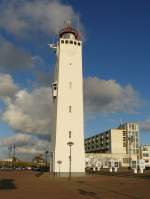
[116, 51]
[117, 47]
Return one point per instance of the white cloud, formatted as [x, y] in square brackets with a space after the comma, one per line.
[145, 126]
[30, 112]
[26, 145]
[12, 57]
[35, 146]
[42, 76]
[106, 96]
[7, 86]
[18, 139]
[23, 18]
[33, 21]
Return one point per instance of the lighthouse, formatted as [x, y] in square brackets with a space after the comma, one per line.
[67, 139]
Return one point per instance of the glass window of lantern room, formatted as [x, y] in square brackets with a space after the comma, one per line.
[66, 36]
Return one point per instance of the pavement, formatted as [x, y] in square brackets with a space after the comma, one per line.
[102, 185]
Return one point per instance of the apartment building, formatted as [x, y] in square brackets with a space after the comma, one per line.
[130, 137]
[145, 154]
[121, 143]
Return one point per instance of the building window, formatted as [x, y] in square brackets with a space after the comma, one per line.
[145, 155]
[69, 134]
[66, 41]
[70, 109]
[78, 43]
[71, 42]
[145, 149]
[130, 126]
[75, 42]
[136, 133]
[125, 160]
[62, 41]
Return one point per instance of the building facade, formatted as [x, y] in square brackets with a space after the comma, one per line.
[131, 137]
[145, 154]
[121, 143]
[67, 90]
[110, 141]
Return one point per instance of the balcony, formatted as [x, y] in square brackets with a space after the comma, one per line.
[54, 89]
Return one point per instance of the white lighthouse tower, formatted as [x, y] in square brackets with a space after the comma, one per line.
[68, 155]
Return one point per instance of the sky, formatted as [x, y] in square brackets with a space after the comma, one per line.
[116, 48]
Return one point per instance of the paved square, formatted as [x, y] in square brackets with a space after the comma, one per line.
[27, 185]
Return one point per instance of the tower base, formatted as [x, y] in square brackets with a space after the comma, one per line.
[67, 174]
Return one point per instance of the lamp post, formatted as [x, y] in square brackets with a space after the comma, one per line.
[51, 162]
[46, 154]
[14, 158]
[9, 152]
[70, 144]
[14, 147]
[59, 163]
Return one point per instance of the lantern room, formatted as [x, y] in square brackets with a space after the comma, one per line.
[69, 33]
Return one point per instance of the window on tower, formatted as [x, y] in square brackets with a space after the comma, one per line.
[62, 41]
[66, 41]
[70, 109]
[78, 43]
[70, 84]
[71, 42]
[75, 42]
[69, 134]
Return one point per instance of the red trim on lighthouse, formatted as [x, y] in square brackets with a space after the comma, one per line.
[69, 29]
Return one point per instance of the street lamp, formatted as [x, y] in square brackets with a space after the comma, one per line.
[14, 153]
[51, 162]
[59, 163]
[46, 154]
[9, 152]
[70, 144]
[14, 158]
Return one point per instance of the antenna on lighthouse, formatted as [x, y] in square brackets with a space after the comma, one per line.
[78, 23]
[68, 22]
[53, 40]
[120, 122]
